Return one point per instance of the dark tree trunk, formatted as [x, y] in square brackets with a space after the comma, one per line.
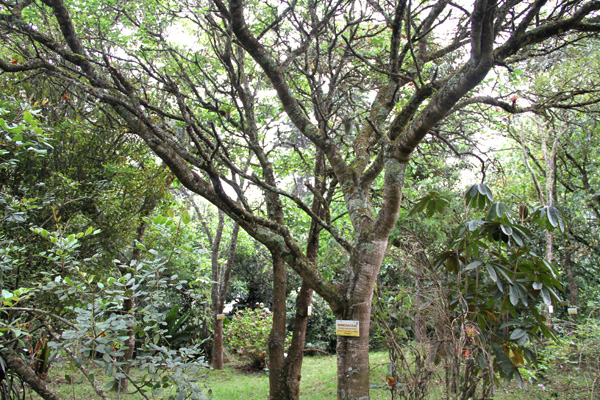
[291, 372]
[26, 374]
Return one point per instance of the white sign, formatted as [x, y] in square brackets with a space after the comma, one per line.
[309, 310]
[347, 328]
[220, 316]
[551, 309]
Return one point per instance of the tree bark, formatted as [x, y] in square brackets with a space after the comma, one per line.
[353, 352]
[223, 282]
[292, 369]
[277, 382]
[573, 287]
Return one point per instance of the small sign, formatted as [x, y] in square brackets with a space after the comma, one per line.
[309, 312]
[572, 310]
[220, 316]
[551, 309]
[347, 328]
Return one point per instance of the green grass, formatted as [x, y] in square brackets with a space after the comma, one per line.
[318, 380]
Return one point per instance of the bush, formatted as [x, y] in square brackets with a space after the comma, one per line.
[247, 334]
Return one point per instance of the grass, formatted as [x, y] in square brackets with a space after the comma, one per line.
[319, 383]
[318, 380]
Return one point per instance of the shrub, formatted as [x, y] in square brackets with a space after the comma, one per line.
[247, 334]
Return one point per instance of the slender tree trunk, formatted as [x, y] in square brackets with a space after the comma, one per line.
[291, 371]
[217, 347]
[353, 357]
[277, 380]
[573, 287]
[121, 385]
[217, 350]
[293, 363]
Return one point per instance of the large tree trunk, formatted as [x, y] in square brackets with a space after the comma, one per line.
[353, 352]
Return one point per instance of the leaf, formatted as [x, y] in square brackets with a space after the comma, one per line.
[27, 117]
[519, 379]
[517, 238]
[472, 225]
[546, 296]
[517, 334]
[472, 265]
[537, 285]
[478, 196]
[492, 272]
[555, 218]
[503, 361]
[514, 295]
[522, 294]
[185, 217]
[506, 229]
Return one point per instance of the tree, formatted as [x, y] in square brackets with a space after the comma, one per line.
[220, 274]
[277, 82]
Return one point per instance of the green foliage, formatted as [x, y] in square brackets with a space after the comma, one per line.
[179, 329]
[247, 333]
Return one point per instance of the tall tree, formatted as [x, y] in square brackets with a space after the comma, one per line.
[362, 82]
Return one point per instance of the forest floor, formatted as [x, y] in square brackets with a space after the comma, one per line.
[558, 381]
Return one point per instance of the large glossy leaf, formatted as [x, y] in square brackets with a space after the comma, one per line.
[498, 211]
[546, 296]
[478, 196]
[517, 334]
[471, 266]
[492, 272]
[555, 218]
[514, 295]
